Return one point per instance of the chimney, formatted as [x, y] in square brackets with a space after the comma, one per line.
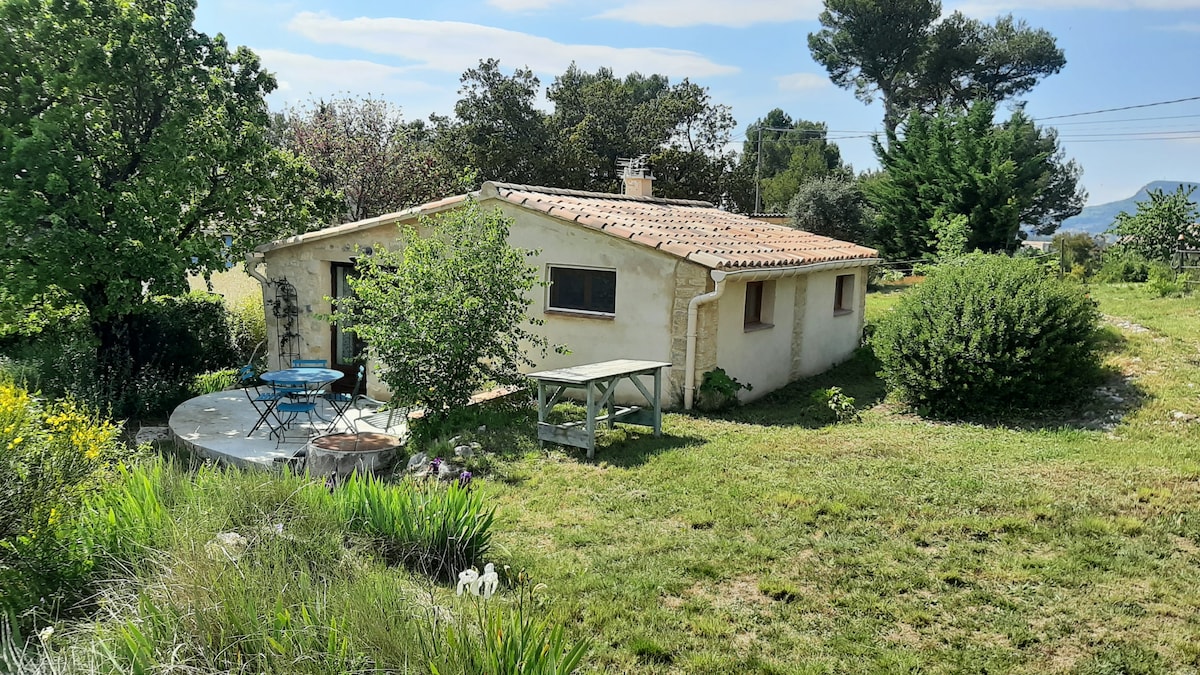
[635, 177]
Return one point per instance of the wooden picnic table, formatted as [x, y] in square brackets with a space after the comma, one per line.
[600, 381]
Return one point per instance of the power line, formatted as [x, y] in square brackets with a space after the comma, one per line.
[1108, 110]
[1102, 134]
[1128, 140]
[1127, 119]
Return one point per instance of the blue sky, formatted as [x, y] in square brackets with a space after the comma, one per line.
[751, 54]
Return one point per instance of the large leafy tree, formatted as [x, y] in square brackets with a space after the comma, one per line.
[597, 118]
[497, 129]
[130, 144]
[1000, 177]
[1159, 225]
[364, 150]
[899, 51]
[833, 206]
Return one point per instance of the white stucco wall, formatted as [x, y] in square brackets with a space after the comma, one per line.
[830, 339]
[762, 356]
[806, 337]
[641, 325]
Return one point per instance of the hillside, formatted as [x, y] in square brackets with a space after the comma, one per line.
[1098, 218]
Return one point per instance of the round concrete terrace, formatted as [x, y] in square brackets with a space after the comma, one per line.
[215, 426]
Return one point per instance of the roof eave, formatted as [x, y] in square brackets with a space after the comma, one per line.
[410, 213]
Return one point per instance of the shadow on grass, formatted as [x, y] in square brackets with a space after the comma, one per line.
[508, 430]
[793, 405]
[629, 446]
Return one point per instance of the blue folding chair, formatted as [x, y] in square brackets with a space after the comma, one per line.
[310, 363]
[341, 402]
[292, 409]
[264, 403]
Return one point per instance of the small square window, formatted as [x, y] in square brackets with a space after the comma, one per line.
[843, 294]
[575, 289]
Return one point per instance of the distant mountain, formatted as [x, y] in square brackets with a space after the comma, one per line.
[1096, 219]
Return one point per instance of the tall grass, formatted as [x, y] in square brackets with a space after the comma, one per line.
[313, 590]
[433, 529]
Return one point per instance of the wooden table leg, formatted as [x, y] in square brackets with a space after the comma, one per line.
[541, 408]
[612, 402]
[658, 401]
[591, 421]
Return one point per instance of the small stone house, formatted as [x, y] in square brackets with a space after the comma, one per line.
[630, 276]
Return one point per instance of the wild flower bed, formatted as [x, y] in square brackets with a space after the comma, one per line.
[148, 567]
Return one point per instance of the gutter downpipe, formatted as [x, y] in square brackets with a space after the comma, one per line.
[689, 359]
[720, 278]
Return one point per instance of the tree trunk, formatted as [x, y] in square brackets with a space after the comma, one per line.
[114, 359]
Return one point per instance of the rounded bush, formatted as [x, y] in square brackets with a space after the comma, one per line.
[987, 334]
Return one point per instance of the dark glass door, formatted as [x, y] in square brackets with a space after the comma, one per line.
[348, 351]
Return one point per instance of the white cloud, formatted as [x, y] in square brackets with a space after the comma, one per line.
[679, 13]
[802, 81]
[522, 5]
[993, 7]
[303, 76]
[454, 46]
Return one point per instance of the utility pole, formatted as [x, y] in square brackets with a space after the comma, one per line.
[758, 166]
[758, 174]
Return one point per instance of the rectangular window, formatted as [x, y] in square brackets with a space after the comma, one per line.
[574, 289]
[760, 303]
[754, 291]
[843, 294]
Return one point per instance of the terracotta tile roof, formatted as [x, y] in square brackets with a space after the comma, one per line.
[692, 230]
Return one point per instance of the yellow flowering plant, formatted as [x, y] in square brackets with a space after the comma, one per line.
[52, 456]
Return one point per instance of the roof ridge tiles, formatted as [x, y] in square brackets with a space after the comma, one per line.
[565, 192]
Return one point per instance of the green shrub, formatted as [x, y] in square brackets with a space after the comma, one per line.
[218, 380]
[988, 334]
[187, 334]
[838, 403]
[248, 328]
[1163, 281]
[53, 456]
[1123, 267]
[171, 339]
[719, 391]
[433, 529]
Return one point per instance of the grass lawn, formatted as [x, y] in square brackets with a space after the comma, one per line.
[770, 541]
[764, 540]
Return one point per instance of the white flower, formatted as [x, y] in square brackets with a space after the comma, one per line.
[46, 633]
[469, 580]
[489, 581]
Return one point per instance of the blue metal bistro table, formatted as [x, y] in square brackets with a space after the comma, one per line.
[599, 381]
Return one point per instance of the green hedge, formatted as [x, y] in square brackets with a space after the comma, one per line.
[171, 341]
